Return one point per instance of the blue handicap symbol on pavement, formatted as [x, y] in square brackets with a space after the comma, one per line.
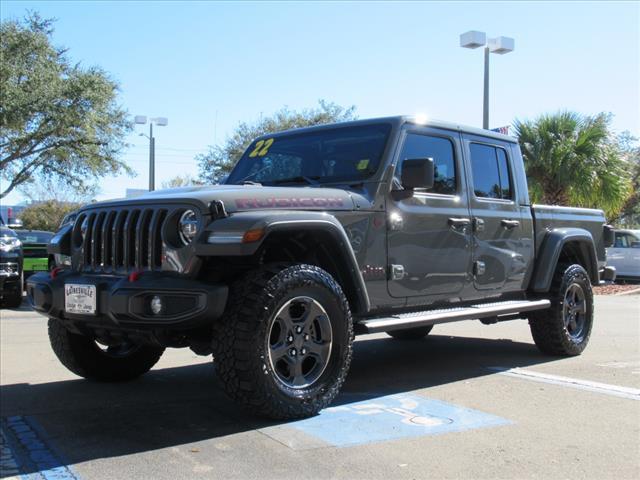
[392, 417]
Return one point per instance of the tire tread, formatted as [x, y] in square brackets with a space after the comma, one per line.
[547, 326]
[79, 354]
[249, 306]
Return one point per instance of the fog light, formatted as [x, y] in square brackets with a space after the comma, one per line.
[156, 305]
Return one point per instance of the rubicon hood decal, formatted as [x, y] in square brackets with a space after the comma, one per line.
[288, 202]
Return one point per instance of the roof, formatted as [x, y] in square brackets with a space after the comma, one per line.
[400, 120]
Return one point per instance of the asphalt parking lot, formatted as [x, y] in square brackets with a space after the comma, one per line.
[469, 401]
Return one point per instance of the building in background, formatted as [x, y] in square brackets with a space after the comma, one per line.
[11, 211]
[135, 192]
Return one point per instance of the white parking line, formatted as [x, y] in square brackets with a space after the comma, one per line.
[604, 388]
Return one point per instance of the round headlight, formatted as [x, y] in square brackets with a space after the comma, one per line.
[188, 226]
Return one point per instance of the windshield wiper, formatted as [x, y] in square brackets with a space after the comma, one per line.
[296, 179]
[244, 179]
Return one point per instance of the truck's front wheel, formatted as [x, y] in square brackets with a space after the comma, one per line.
[87, 358]
[565, 327]
[284, 346]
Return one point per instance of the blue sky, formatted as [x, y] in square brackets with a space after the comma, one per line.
[209, 65]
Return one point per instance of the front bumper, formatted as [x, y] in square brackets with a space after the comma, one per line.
[122, 304]
[10, 278]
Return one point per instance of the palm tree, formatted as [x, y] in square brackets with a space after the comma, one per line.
[573, 159]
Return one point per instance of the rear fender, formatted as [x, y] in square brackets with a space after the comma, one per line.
[582, 244]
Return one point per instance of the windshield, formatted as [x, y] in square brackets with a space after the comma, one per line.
[347, 154]
[34, 237]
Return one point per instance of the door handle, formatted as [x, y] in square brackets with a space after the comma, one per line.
[459, 222]
[510, 224]
[478, 224]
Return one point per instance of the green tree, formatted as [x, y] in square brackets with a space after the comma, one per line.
[50, 200]
[57, 119]
[629, 215]
[220, 159]
[46, 215]
[45, 189]
[181, 181]
[571, 159]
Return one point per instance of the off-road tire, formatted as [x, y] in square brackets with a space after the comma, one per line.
[411, 333]
[82, 356]
[241, 341]
[550, 333]
[12, 299]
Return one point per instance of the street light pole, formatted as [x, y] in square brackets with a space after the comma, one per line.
[152, 159]
[161, 122]
[499, 45]
[485, 97]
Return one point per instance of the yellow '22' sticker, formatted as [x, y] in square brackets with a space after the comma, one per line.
[261, 148]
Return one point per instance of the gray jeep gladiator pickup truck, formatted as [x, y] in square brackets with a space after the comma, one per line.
[385, 225]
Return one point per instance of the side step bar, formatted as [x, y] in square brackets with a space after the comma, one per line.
[432, 317]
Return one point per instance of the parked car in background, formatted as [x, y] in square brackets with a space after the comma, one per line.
[34, 249]
[11, 279]
[625, 254]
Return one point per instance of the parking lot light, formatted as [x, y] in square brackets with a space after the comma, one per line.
[161, 122]
[499, 45]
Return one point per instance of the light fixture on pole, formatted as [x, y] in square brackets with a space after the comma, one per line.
[499, 45]
[161, 122]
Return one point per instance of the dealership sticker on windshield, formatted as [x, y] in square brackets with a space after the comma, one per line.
[80, 299]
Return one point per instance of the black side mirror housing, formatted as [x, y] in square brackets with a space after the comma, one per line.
[417, 173]
[608, 235]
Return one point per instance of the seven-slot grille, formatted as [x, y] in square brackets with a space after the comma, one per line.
[121, 240]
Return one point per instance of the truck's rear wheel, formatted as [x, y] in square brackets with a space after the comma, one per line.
[411, 333]
[89, 359]
[565, 327]
[284, 346]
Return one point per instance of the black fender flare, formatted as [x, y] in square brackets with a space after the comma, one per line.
[549, 254]
[230, 231]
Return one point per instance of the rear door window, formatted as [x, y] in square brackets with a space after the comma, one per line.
[490, 171]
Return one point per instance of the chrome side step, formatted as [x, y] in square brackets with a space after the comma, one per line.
[432, 317]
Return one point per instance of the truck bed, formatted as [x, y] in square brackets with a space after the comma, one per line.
[546, 218]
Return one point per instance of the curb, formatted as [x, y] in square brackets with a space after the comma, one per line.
[628, 292]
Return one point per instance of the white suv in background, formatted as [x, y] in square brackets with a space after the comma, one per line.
[625, 254]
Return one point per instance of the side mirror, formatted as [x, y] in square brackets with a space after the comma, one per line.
[635, 244]
[608, 235]
[417, 173]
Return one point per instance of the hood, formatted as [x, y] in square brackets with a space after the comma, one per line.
[237, 198]
[6, 232]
